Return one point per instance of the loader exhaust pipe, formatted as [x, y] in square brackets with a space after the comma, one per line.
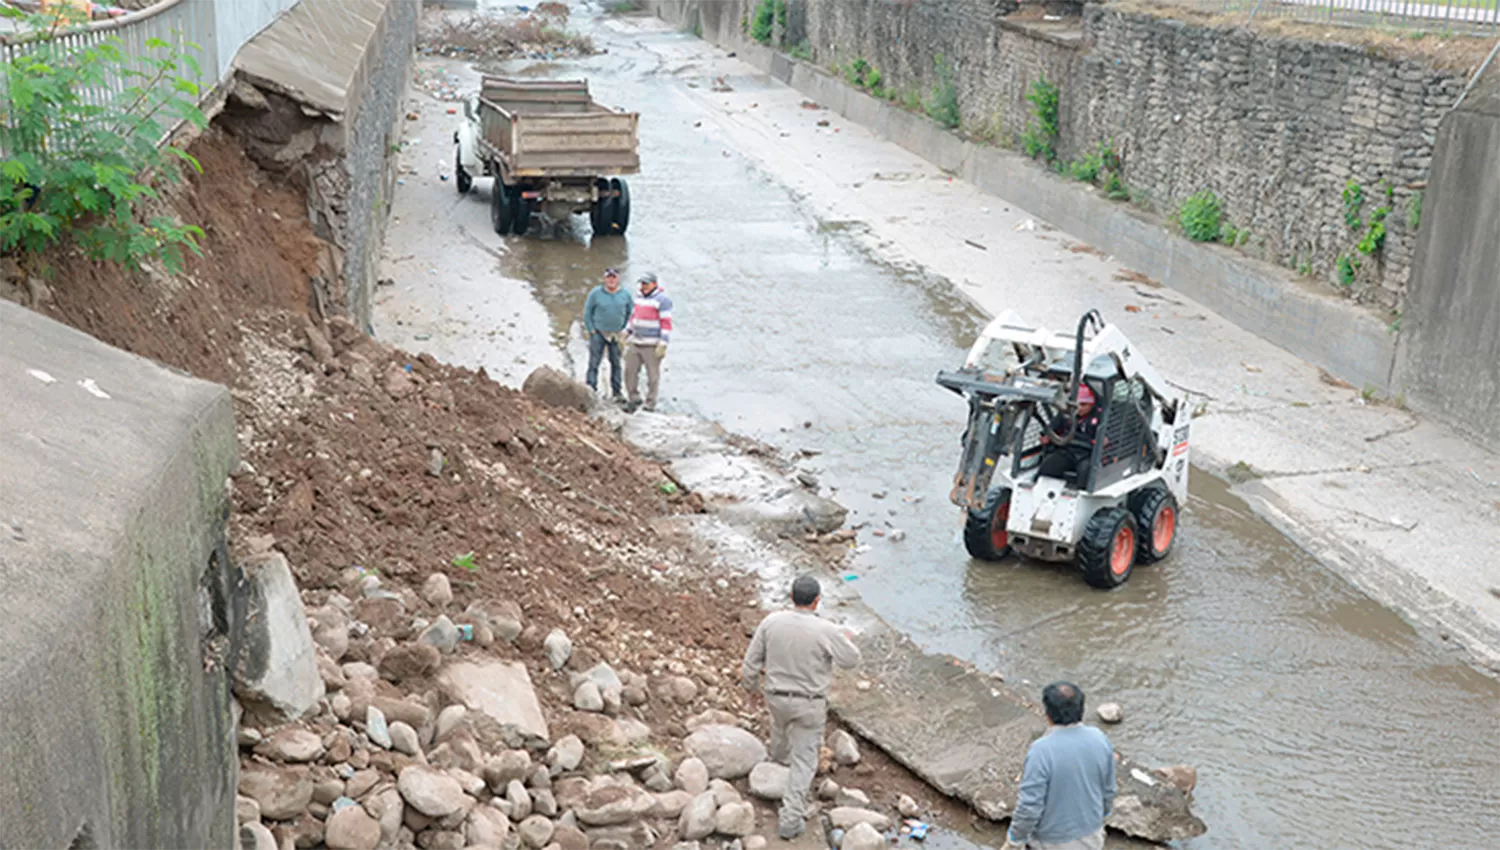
[1091, 317]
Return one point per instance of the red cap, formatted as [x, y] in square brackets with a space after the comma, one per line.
[1085, 395]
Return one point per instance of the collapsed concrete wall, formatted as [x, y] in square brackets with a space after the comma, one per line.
[1450, 338]
[118, 614]
[318, 98]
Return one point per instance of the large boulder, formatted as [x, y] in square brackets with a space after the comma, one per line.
[276, 676]
[550, 386]
[500, 689]
[727, 751]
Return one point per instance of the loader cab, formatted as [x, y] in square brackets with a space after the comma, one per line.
[1123, 444]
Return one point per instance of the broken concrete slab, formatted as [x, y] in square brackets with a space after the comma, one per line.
[500, 689]
[738, 486]
[276, 677]
[897, 713]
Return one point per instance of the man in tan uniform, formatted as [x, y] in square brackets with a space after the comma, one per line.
[795, 652]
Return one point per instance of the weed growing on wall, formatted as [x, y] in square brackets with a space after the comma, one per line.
[1039, 140]
[1201, 217]
[1354, 202]
[942, 104]
[781, 16]
[762, 25]
[801, 50]
[82, 161]
[1414, 211]
[1103, 168]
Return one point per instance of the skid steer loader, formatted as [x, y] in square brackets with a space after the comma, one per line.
[1111, 501]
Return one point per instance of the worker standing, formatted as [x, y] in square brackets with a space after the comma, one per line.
[1068, 785]
[791, 657]
[605, 313]
[648, 332]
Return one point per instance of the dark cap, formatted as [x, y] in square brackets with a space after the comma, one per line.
[648, 277]
[611, 272]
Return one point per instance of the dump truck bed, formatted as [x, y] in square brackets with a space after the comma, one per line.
[554, 129]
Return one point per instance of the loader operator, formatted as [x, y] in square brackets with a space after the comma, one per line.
[1058, 461]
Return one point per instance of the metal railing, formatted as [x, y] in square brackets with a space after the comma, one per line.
[1441, 17]
[209, 31]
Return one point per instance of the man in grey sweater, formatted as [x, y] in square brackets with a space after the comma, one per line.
[1068, 786]
[795, 652]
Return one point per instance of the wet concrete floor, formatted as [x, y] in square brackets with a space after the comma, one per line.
[1316, 718]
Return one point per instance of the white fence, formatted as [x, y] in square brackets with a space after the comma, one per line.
[218, 29]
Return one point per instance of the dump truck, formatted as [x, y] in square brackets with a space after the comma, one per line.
[552, 149]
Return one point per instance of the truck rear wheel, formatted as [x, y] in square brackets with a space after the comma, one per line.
[1155, 510]
[622, 205]
[461, 177]
[520, 213]
[602, 214]
[984, 531]
[1106, 554]
[500, 207]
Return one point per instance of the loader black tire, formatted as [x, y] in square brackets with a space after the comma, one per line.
[1155, 510]
[984, 530]
[500, 207]
[1107, 552]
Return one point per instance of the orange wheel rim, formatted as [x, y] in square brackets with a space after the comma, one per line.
[1123, 554]
[999, 537]
[1164, 529]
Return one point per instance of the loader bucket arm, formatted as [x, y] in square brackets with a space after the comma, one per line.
[988, 434]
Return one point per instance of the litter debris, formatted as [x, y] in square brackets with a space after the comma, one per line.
[918, 830]
[92, 388]
[1028, 224]
[824, 122]
[1132, 308]
[811, 104]
[972, 243]
[721, 86]
[41, 376]
[1251, 367]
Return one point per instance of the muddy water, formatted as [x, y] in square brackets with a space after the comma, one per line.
[1317, 719]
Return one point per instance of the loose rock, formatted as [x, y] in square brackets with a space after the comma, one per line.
[727, 751]
[292, 744]
[908, 807]
[845, 748]
[1181, 776]
[352, 828]
[430, 791]
[845, 817]
[723, 792]
[281, 794]
[692, 776]
[376, 728]
[278, 644]
[410, 661]
[670, 804]
[768, 780]
[254, 836]
[442, 634]
[487, 827]
[588, 698]
[862, 836]
[519, 799]
[550, 386]
[735, 819]
[698, 819]
[614, 804]
[437, 591]
[1110, 712]
[567, 754]
[448, 719]
[536, 831]
[404, 739]
[558, 648]
[246, 810]
[852, 797]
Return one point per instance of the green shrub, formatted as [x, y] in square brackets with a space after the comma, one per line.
[942, 105]
[1346, 267]
[82, 160]
[781, 15]
[1354, 202]
[1039, 140]
[1201, 217]
[801, 50]
[1374, 238]
[1115, 188]
[1087, 170]
[762, 25]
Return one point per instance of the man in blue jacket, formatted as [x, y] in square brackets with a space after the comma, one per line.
[604, 316]
[1068, 786]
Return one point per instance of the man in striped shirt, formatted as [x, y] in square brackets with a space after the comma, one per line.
[647, 335]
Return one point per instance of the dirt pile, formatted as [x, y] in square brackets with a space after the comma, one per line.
[540, 34]
[464, 553]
